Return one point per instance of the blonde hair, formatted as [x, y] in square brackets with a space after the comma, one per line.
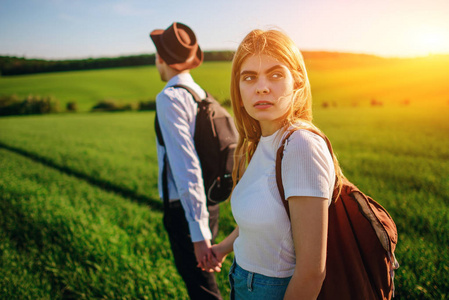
[279, 46]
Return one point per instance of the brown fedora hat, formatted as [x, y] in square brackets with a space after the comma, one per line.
[177, 46]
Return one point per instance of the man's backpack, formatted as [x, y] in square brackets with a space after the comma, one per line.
[215, 139]
[362, 238]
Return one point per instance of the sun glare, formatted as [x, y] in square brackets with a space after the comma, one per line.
[431, 40]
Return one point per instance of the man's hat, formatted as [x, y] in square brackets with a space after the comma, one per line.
[177, 46]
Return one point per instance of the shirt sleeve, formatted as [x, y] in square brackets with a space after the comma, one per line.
[176, 124]
[307, 166]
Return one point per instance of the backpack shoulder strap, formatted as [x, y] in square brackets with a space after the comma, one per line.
[191, 91]
[280, 155]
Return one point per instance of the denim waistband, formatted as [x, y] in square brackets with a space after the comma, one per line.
[256, 277]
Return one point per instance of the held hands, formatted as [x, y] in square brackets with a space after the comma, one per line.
[219, 255]
[209, 258]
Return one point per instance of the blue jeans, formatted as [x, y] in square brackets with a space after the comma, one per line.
[248, 285]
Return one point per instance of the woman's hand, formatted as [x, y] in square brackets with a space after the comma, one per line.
[204, 254]
[219, 253]
[213, 261]
[210, 263]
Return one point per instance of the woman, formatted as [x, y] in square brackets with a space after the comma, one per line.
[276, 258]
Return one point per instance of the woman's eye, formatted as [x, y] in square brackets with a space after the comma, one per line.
[248, 78]
[276, 75]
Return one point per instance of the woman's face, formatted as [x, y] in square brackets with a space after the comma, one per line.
[266, 88]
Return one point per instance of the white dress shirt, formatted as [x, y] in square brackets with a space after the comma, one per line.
[176, 111]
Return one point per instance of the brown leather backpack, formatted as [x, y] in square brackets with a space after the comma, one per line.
[362, 238]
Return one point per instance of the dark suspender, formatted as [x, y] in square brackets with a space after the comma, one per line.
[160, 140]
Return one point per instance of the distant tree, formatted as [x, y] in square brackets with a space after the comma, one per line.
[110, 105]
[72, 106]
[12, 105]
[10, 65]
[147, 105]
[406, 102]
[375, 102]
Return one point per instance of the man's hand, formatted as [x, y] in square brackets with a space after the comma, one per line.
[218, 256]
[204, 254]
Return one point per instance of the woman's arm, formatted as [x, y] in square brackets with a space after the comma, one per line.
[309, 218]
[220, 251]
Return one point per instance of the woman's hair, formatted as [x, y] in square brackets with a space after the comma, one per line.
[280, 47]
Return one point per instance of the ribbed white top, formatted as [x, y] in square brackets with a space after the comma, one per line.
[265, 243]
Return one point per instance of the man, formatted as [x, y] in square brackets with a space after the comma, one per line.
[190, 224]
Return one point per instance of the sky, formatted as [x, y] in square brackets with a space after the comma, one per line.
[77, 29]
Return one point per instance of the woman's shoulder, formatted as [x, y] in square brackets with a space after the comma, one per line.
[305, 137]
[303, 131]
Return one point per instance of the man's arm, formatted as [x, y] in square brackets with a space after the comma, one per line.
[176, 119]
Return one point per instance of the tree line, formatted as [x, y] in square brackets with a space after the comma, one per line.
[11, 65]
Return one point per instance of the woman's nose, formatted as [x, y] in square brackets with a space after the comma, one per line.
[262, 88]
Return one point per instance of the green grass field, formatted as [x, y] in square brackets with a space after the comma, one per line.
[78, 193]
[349, 80]
[124, 85]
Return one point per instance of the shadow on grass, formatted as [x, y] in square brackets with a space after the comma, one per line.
[103, 184]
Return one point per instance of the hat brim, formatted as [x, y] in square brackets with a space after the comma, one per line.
[155, 36]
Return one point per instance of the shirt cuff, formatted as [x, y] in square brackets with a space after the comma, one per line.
[200, 231]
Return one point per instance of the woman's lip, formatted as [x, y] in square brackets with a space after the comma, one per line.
[263, 104]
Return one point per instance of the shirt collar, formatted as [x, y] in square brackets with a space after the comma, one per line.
[181, 78]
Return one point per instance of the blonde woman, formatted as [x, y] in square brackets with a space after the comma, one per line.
[276, 258]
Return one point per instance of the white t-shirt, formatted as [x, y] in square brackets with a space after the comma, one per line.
[265, 243]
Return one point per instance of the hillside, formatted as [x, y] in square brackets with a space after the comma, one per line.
[342, 79]
[10, 65]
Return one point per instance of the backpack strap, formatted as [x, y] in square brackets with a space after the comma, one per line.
[156, 121]
[157, 128]
[191, 91]
[160, 139]
[280, 155]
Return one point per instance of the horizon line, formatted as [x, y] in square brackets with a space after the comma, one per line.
[227, 50]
